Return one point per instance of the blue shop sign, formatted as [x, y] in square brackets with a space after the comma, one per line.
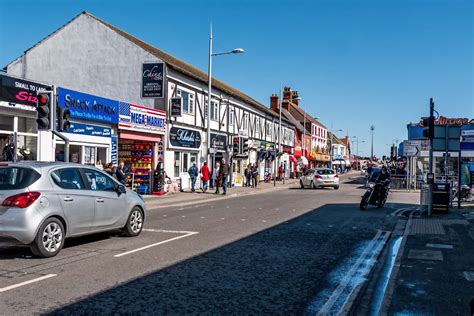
[88, 129]
[88, 107]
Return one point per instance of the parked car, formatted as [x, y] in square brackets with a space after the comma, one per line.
[320, 177]
[44, 203]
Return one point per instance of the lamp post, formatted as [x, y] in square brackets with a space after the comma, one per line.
[209, 95]
[372, 128]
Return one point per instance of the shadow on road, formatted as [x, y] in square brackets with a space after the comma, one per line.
[274, 271]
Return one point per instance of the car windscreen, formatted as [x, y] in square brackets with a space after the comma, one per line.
[14, 178]
[325, 171]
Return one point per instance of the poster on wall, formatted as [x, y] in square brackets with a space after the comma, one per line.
[20, 91]
[153, 80]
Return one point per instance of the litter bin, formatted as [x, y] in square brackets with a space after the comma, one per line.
[441, 197]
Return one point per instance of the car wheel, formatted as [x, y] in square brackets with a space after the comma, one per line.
[312, 185]
[301, 184]
[336, 187]
[49, 240]
[134, 224]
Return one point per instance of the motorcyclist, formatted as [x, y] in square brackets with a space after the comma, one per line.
[384, 180]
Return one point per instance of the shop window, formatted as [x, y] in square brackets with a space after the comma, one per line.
[27, 147]
[98, 181]
[27, 125]
[68, 179]
[194, 159]
[185, 162]
[6, 123]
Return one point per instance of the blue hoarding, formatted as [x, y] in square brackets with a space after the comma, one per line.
[88, 107]
[89, 129]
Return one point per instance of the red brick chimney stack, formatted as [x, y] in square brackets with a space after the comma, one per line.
[274, 102]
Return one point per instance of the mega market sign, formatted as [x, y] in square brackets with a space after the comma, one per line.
[88, 107]
[140, 118]
[20, 91]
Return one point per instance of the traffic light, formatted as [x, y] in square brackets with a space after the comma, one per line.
[43, 109]
[245, 146]
[429, 131]
[63, 119]
[236, 146]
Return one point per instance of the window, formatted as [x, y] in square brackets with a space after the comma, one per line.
[257, 127]
[98, 181]
[325, 171]
[68, 178]
[214, 111]
[188, 101]
[309, 172]
[268, 127]
[231, 117]
[13, 178]
[177, 162]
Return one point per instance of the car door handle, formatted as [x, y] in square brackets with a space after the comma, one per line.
[68, 199]
[100, 200]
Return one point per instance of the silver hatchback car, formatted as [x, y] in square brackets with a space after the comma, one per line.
[42, 203]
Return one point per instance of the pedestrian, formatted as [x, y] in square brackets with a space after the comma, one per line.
[205, 176]
[254, 176]
[120, 173]
[109, 168]
[193, 174]
[248, 175]
[223, 174]
[215, 177]
[280, 172]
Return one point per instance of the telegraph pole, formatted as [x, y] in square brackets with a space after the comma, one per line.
[431, 135]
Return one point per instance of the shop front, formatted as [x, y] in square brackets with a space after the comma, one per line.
[141, 144]
[93, 130]
[184, 146]
[265, 161]
[18, 118]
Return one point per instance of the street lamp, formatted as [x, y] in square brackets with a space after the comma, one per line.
[372, 128]
[209, 95]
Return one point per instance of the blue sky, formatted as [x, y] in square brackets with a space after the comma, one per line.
[354, 63]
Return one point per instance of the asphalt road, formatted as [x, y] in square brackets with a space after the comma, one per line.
[257, 254]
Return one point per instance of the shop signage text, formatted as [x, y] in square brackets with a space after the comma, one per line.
[447, 121]
[20, 91]
[88, 107]
[87, 129]
[152, 80]
[141, 118]
[218, 142]
[182, 137]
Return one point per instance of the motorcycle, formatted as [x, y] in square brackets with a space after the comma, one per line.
[373, 196]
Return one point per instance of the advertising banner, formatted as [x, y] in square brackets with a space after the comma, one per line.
[141, 119]
[20, 91]
[88, 129]
[88, 107]
[153, 80]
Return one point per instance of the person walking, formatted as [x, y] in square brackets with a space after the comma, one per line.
[223, 173]
[254, 176]
[215, 177]
[193, 174]
[280, 172]
[205, 176]
[248, 175]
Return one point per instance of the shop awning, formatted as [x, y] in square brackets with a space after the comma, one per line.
[292, 159]
[140, 136]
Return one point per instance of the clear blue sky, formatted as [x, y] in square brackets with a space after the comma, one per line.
[354, 63]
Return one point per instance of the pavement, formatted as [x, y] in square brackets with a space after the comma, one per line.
[283, 252]
[436, 266]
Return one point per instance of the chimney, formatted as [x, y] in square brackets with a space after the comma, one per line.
[274, 102]
[286, 93]
[295, 98]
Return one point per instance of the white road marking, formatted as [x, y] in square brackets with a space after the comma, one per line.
[158, 243]
[259, 208]
[244, 208]
[264, 221]
[243, 219]
[222, 218]
[167, 231]
[277, 209]
[202, 217]
[165, 215]
[183, 216]
[227, 207]
[14, 286]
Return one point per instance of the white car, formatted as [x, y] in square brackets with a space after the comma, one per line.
[318, 178]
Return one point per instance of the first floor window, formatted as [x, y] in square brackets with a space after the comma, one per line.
[231, 117]
[188, 101]
[214, 111]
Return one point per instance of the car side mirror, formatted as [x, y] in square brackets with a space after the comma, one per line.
[121, 189]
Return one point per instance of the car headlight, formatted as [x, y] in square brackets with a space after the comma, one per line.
[371, 185]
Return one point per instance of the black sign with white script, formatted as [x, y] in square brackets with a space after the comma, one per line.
[182, 137]
[152, 80]
[219, 142]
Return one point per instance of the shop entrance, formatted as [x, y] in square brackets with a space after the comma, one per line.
[83, 154]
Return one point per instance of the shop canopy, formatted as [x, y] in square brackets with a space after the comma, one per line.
[292, 159]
